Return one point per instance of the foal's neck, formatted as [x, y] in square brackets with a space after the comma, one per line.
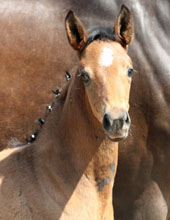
[81, 132]
[75, 142]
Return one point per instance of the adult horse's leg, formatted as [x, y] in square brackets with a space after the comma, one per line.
[151, 204]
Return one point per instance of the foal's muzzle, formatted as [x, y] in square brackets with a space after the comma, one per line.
[116, 126]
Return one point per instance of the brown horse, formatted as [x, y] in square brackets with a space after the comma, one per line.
[68, 173]
[142, 184]
[33, 63]
[34, 55]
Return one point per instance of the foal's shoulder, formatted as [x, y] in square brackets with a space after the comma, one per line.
[10, 157]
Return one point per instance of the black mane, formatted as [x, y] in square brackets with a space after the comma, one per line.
[100, 33]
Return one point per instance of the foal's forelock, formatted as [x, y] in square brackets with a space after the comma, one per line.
[100, 34]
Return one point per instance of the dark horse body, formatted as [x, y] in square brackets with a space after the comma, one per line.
[143, 179]
[32, 62]
[31, 57]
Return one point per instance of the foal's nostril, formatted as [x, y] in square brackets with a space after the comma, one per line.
[115, 123]
[106, 122]
[127, 120]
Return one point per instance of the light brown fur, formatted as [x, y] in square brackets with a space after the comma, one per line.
[56, 178]
[68, 173]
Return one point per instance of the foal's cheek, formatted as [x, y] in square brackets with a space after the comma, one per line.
[95, 102]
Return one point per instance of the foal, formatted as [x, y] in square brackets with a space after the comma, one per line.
[68, 173]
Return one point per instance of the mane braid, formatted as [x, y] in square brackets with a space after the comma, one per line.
[62, 95]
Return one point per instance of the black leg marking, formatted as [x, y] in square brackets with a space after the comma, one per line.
[104, 182]
[112, 167]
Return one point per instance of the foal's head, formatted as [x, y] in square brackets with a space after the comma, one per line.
[106, 70]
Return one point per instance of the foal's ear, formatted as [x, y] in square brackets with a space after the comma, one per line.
[76, 32]
[124, 26]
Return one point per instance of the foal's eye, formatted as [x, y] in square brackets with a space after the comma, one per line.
[130, 71]
[85, 76]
